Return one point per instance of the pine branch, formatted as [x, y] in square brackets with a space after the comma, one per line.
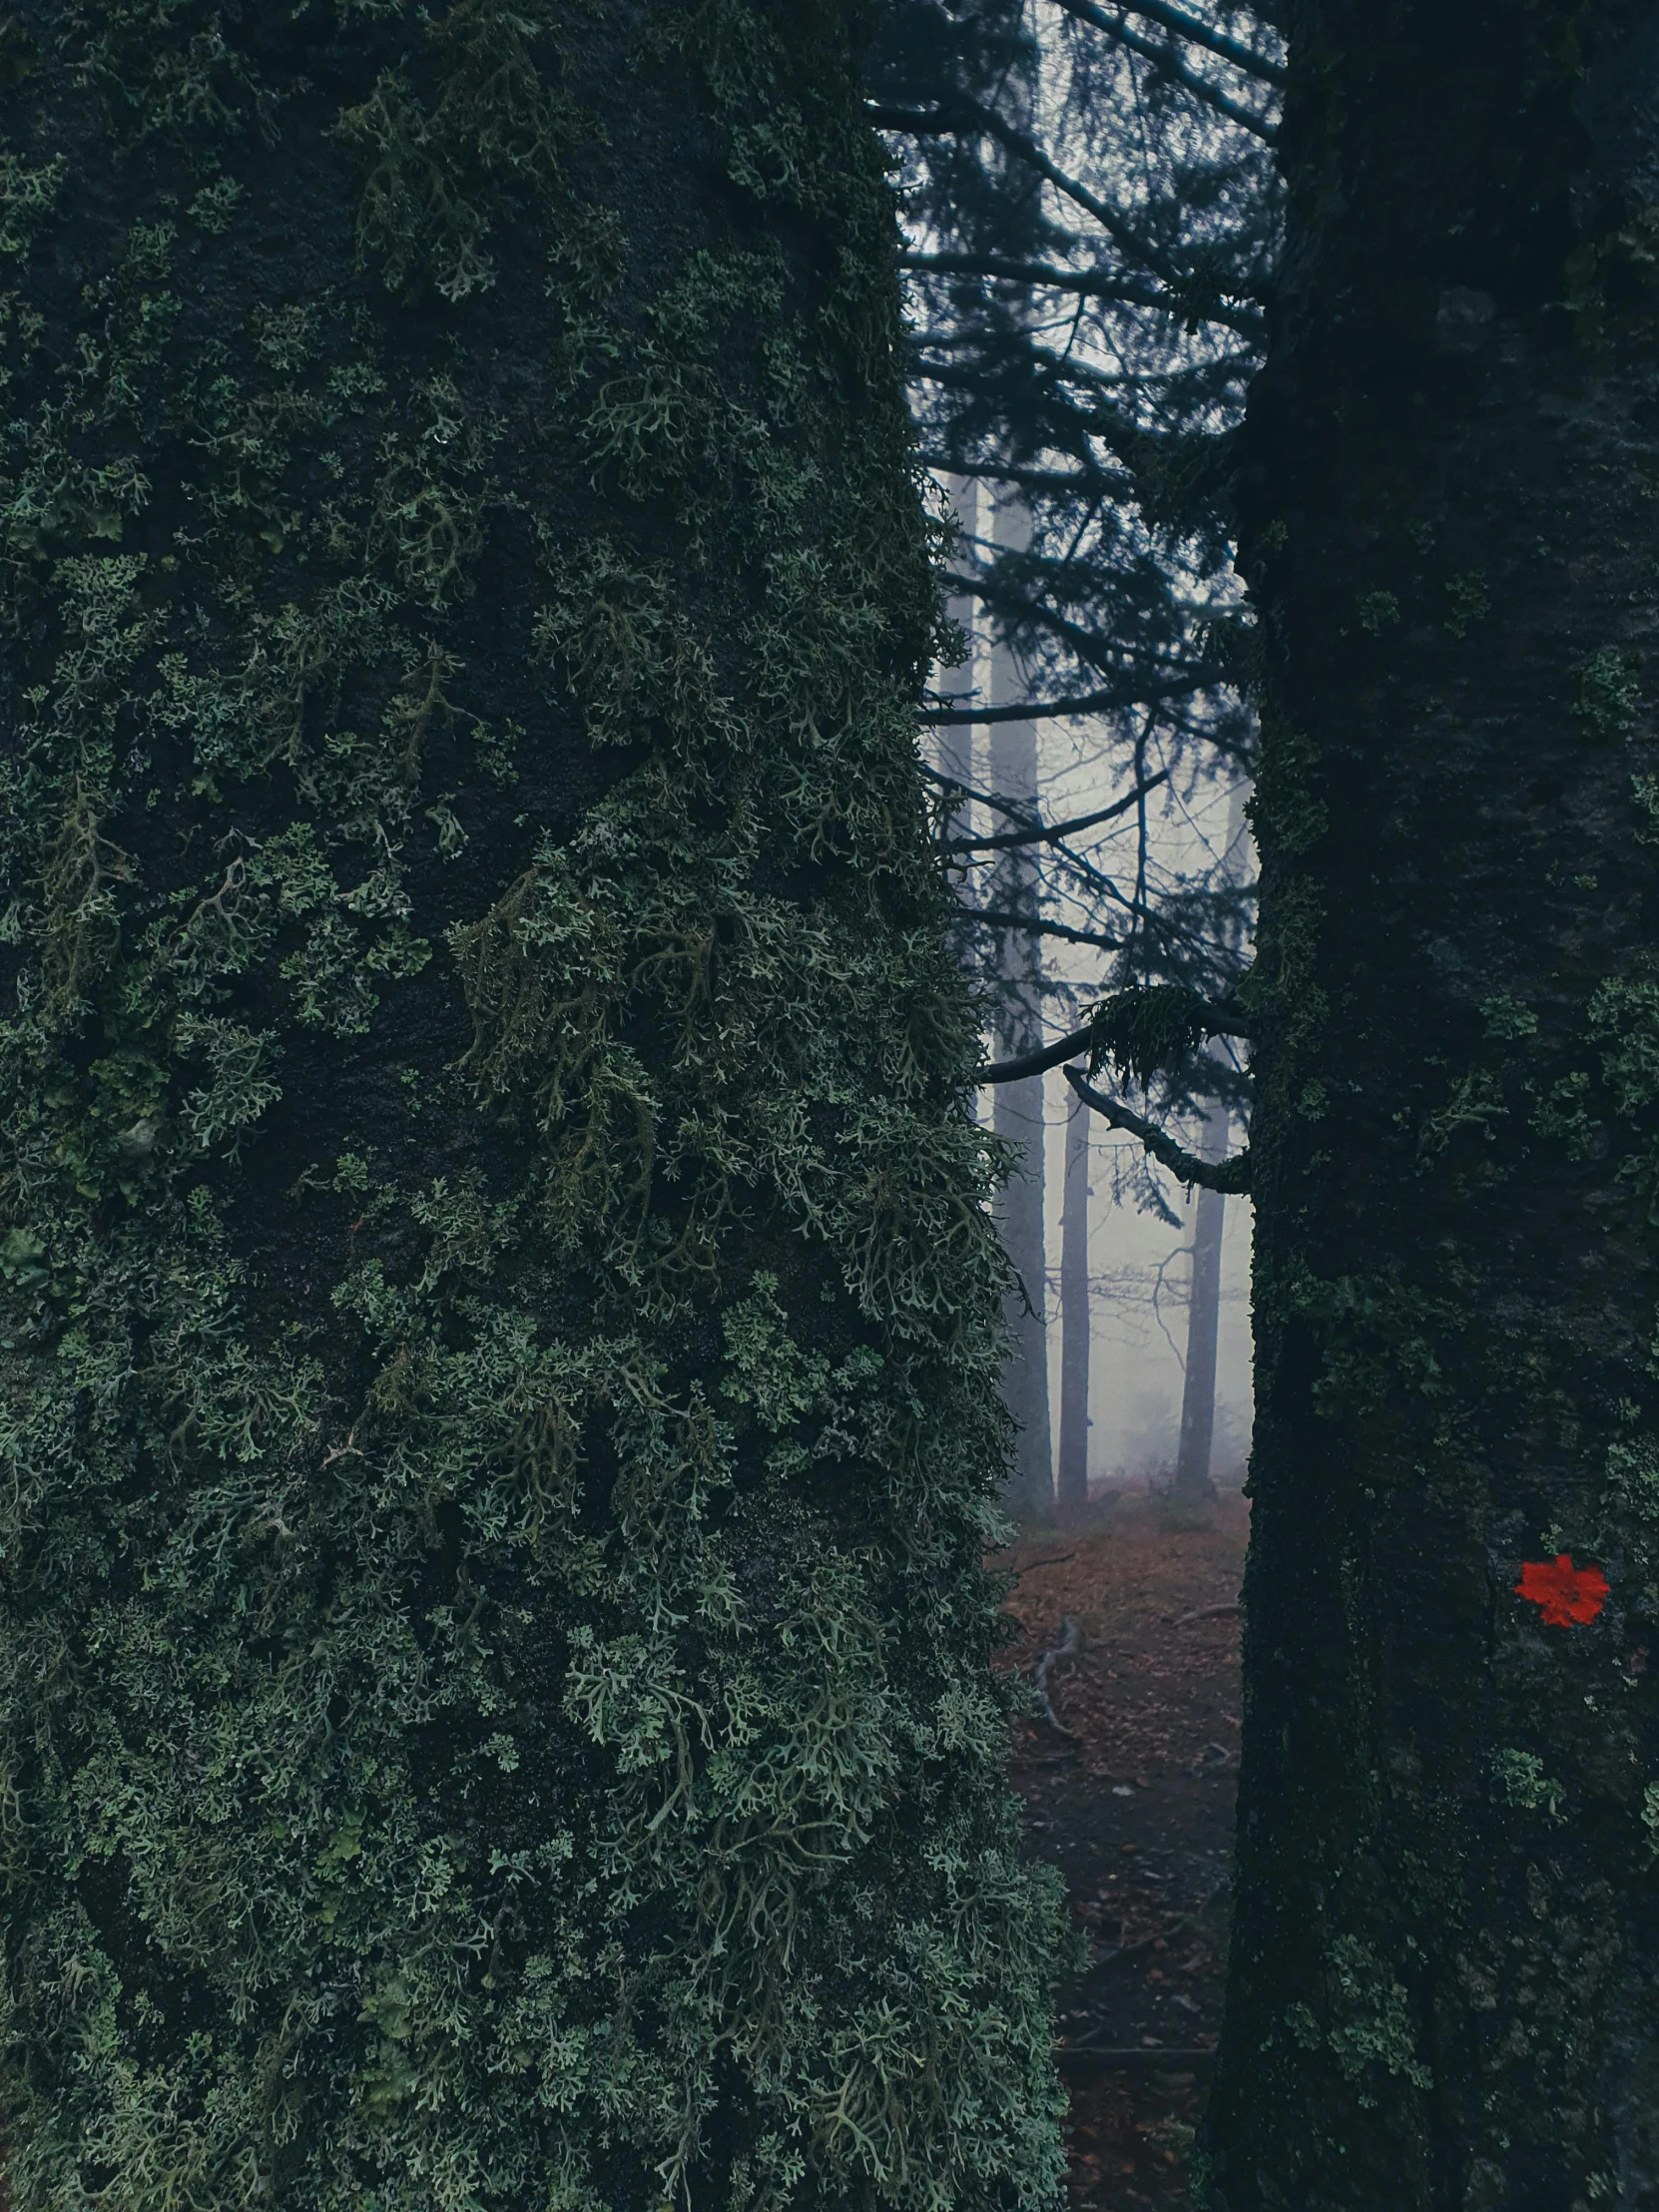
[1166, 59]
[1185, 26]
[971, 115]
[1223, 1175]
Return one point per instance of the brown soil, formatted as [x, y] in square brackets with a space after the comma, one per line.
[1131, 1796]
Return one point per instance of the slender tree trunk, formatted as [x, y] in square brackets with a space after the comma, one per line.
[955, 740]
[1018, 1108]
[499, 1329]
[1072, 1473]
[1193, 1480]
[1198, 1391]
[1446, 1942]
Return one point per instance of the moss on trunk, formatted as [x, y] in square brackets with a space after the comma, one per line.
[500, 1315]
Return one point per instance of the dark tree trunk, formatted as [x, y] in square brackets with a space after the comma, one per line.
[1447, 1930]
[1019, 1107]
[1197, 1390]
[500, 1327]
[1072, 1469]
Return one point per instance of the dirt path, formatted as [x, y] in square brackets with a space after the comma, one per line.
[1131, 1796]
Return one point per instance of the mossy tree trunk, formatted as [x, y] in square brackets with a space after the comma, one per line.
[1447, 1930]
[500, 1315]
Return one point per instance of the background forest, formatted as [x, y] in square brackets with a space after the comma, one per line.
[1093, 218]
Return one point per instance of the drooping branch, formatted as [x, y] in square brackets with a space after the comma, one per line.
[1052, 832]
[1203, 1019]
[1230, 1176]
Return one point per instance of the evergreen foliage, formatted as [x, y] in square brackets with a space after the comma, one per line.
[500, 1322]
[1092, 225]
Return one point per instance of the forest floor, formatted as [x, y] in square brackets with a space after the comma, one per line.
[1131, 1796]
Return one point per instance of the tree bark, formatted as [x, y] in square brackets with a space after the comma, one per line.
[1072, 1471]
[1019, 1107]
[1197, 1390]
[1447, 1925]
[499, 1325]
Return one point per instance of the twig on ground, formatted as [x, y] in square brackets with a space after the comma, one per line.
[1059, 1560]
[1207, 1613]
[1040, 1675]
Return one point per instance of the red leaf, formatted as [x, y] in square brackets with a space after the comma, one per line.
[1565, 1592]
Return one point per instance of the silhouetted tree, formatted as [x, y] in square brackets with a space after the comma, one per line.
[1446, 1929]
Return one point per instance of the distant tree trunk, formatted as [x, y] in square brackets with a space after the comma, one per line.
[955, 743]
[1019, 1107]
[1072, 1473]
[1446, 1942]
[499, 1328]
[1193, 1479]
[1198, 1391]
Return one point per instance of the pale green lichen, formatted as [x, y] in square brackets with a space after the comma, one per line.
[500, 1709]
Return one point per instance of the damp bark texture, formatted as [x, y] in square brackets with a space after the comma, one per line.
[500, 1321]
[1443, 1957]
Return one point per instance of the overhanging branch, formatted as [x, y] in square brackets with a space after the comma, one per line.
[1222, 1175]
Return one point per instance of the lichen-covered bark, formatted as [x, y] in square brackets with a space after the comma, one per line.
[1447, 1930]
[500, 1321]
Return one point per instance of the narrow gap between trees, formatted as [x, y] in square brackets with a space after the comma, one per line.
[1129, 1791]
